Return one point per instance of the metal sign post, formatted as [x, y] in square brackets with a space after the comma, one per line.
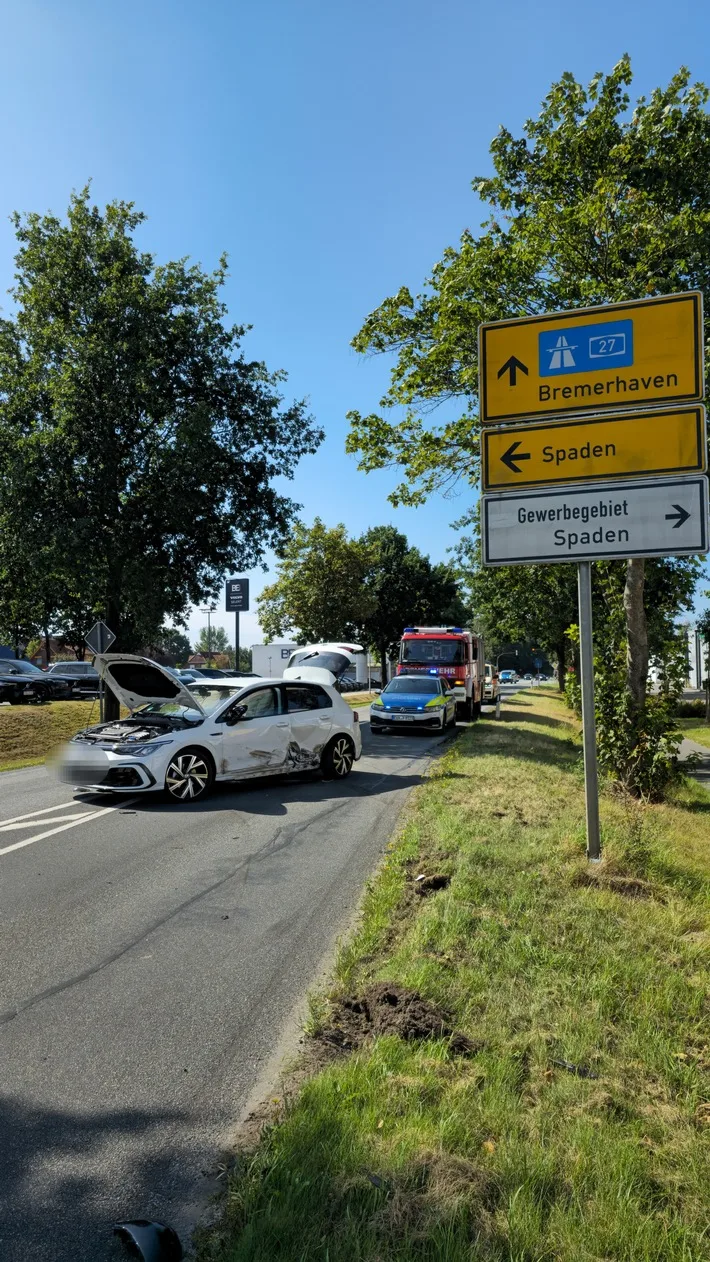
[589, 727]
[99, 639]
[236, 599]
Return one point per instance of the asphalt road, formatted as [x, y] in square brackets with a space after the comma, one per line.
[151, 957]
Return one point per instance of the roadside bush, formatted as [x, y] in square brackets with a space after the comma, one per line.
[689, 709]
[638, 751]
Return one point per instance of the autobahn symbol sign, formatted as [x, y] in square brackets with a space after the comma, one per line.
[593, 359]
[624, 445]
[649, 517]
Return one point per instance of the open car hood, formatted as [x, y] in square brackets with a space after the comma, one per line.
[137, 681]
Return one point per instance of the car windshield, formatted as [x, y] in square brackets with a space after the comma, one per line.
[210, 697]
[451, 652]
[17, 666]
[412, 684]
[336, 663]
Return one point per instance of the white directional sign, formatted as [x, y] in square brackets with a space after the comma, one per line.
[653, 517]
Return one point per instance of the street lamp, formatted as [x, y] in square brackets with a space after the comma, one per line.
[507, 653]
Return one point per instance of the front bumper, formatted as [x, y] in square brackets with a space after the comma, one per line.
[100, 770]
[435, 719]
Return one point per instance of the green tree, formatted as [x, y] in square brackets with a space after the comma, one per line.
[172, 644]
[131, 424]
[319, 593]
[244, 662]
[594, 203]
[214, 640]
[403, 587]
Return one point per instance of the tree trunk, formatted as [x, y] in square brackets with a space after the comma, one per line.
[383, 663]
[561, 651]
[636, 634]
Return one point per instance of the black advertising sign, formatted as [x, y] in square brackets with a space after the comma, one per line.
[237, 595]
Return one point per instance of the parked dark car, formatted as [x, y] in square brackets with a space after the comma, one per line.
[21, 683]
[80, 677]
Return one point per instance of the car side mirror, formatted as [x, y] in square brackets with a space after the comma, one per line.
[235, 715]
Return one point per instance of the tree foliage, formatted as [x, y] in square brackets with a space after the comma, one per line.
[320, 592]
[213, 640]
[594, 203]
[331, 587]
[138, 445]
[404, 587]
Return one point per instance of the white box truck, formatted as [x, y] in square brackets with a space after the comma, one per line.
[271, 660]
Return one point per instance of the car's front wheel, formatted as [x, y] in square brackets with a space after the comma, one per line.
[190, 776]
[338, 758]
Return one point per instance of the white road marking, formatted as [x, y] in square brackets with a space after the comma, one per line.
[63, 806]
[74, 823]
[32, 823]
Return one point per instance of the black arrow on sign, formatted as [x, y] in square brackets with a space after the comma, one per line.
[681, 515]
[512, 365]
[510, 456]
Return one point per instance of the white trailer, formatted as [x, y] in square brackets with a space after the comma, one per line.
[271, 660]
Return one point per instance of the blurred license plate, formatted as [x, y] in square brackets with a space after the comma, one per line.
[403, 718]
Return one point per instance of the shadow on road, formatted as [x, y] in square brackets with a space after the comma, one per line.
[61, 1153]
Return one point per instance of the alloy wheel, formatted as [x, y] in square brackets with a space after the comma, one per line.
[187, 777]
[342, 757]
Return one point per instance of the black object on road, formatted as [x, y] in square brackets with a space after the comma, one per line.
[154, 1242]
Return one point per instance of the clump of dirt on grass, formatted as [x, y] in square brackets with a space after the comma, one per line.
[387, 1008]
[627, 886]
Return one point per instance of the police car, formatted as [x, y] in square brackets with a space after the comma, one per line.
[420, 701]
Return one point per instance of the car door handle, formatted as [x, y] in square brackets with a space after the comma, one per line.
[282, 725]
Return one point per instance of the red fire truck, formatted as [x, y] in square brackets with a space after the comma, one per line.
[452, 652]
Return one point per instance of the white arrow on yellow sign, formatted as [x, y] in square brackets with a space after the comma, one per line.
[628, 444]
[593, 359]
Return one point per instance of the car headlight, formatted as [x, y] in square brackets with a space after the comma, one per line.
[376, 705]
[140, 751]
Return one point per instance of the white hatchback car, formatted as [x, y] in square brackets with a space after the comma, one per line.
[183, 740]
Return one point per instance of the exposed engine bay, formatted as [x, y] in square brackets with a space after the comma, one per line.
[138, 729]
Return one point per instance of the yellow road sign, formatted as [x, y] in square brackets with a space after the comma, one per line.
[593, 359]
[664, 440]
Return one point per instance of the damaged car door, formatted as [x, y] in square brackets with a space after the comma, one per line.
[310, 719]
[256, 734]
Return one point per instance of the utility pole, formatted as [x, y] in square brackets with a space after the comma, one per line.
[209, 611]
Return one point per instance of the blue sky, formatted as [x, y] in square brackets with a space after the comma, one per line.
[329, 148]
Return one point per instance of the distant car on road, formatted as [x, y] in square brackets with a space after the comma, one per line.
[421, 701]
[507, 676]
[21, 683]
[527, 676]
[182, 740]
[81, 678]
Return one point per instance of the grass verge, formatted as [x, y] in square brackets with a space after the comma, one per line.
[577, 1126]
[29, 734]
[695, 730]
[358, 699]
